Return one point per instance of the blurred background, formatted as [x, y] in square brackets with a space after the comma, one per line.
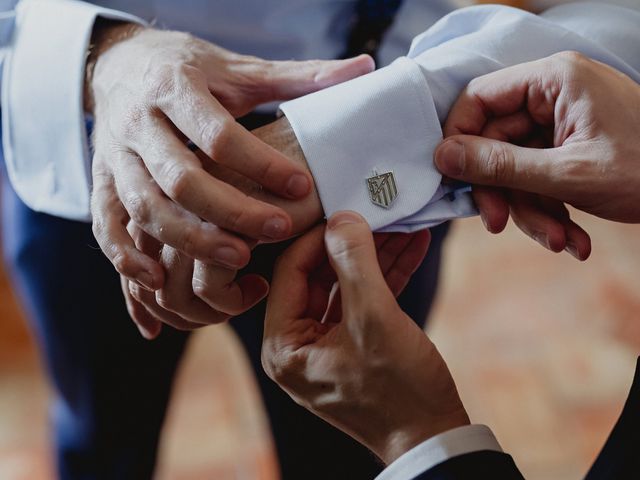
[543, 349]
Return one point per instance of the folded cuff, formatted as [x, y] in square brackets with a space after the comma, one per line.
[44, 135]
[383, 122]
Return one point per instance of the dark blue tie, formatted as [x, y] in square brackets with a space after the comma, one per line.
[372, 19]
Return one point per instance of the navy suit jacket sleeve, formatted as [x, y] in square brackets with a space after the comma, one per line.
[618, 460]
[620, 456]
[480, 465]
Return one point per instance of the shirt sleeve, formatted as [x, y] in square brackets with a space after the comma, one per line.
[44, 135]
[442, 447]
[389, 120]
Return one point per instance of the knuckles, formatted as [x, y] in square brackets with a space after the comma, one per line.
[124, 263]
[138, 206]
[218, 138]
[168, 300]
[177, 180]
[573, 65]
[283, 367]
[500, 163]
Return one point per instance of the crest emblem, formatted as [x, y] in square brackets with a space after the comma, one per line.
[382, 188]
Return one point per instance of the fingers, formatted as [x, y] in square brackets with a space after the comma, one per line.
[177, 295]
[109, 228]
[543, 228]
[528, 86]
[291, 79]
[578, 241]
[161, 218]
[548, 223]
[493, 163]
[289, 295]
[493, 207]
[513, 128]
[406, 261]
[353, 256]
[148, 299]
[173, 304]
[218, 289]
[148, 326]
[180, 175]
[201, 118]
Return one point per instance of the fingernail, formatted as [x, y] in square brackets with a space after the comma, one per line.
[542, 239]
[275, 228]
[298, 185]
[145, 280]
[572, 250]
[343, 218]
[227, 256]
[450, 158]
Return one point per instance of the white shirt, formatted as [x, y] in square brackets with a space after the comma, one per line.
[389, 121]
[385, 122]
[44, 137]
[442, 447]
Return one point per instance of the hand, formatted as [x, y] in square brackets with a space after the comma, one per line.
[349, 354]
[573, 127]
[151, 91]
[196, 294]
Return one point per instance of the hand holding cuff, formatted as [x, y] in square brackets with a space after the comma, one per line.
[383, 122]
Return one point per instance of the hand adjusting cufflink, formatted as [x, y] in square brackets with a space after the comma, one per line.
[382, 188]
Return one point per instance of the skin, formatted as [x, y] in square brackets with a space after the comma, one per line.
[150, 91]
[349, 354]
[537, 136]
[196, 293]
[337, 341]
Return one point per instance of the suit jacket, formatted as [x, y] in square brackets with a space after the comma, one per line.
[618, 460]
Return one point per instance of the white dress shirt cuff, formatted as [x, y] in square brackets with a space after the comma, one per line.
[442, 447]
[42, 104]
[382, 122]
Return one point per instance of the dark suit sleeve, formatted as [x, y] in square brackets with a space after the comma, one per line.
[620, 456]
[480, 465]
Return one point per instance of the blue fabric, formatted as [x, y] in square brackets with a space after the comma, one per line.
[372, 19]
[382, 11]
[112, 386]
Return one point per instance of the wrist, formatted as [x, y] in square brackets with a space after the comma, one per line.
[305, 212]
[400, 440]
[106, 33]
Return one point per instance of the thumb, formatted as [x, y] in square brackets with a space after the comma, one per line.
[352, 254]
[490, 162]
[290, 79]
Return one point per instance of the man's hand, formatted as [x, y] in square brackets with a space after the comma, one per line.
[196, 294]
[153, 91]
[345, 350]
[572, 124]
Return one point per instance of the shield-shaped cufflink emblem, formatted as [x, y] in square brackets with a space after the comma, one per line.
[382, 189]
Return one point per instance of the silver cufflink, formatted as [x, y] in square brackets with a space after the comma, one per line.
[382, 188]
